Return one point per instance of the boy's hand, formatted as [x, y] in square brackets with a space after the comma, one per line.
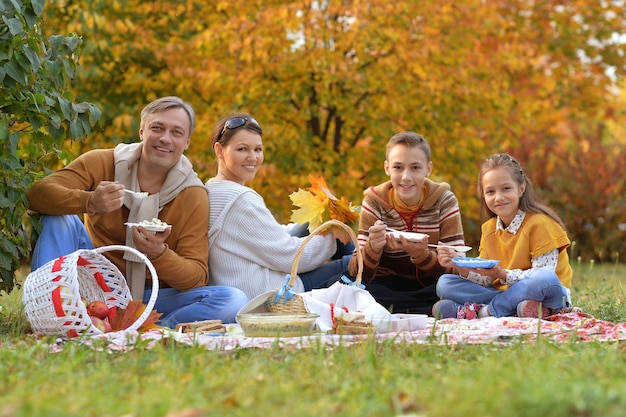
[377, 236]
[413, 248]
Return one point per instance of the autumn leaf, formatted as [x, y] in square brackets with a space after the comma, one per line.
[318, 204]
[311, 208]
[125, 317]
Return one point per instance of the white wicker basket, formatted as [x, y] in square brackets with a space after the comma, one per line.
[52, 293]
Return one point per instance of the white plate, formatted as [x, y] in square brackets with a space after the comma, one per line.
[410, 236]
[475, 262]
[150, 227]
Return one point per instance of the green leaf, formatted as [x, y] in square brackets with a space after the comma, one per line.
[38, 6]
[32, 56]
[66, 108]
[15, 71]
[15, 26]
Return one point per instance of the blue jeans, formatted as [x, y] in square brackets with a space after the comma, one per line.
[62, 235]
[331, 271]
[540, 285]
[214, 302]
[327, 274]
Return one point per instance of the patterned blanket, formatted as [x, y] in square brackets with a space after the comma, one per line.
[570, 327]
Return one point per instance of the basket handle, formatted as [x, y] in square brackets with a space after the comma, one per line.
[320, 228]
[155, 281]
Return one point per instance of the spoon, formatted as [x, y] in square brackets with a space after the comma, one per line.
[459, 248]
[136, 194]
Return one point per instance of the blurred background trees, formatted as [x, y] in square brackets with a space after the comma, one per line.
[331, 81]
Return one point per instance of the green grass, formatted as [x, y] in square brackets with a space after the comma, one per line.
[370, 379]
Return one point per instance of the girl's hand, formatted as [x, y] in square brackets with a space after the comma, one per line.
[445, 256]
[495, 272]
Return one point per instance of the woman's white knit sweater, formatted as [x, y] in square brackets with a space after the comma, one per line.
[248, 248]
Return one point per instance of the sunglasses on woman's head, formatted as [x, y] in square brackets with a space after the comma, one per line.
[236, 122]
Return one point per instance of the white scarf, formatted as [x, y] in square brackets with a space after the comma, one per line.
[179, 177]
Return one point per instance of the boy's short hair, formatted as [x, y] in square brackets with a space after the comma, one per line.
[409, 139]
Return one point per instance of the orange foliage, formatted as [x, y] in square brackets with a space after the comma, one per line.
[330, 82]
[317, 204]
[125, 317]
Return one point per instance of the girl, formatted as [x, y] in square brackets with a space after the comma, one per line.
[529, 240]
[249, 249]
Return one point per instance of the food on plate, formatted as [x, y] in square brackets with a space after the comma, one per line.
[352, 323]
[154, 225]
[153, 222]
[204, 326]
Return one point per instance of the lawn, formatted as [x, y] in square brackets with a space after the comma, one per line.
[369, 379]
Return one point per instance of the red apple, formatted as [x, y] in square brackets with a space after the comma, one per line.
[102, 325]
[98, 309]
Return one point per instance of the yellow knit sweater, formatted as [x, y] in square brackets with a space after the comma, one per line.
[538, 235]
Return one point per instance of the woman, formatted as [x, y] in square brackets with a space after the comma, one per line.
[249, 249]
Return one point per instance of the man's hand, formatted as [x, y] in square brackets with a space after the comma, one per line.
[152, 244]
[107, 197]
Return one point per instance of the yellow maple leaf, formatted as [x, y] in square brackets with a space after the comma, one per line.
[311, 208]
[318, 204]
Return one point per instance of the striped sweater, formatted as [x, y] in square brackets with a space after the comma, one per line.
[439, 217]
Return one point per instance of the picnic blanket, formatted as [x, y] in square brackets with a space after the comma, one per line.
[569, 327]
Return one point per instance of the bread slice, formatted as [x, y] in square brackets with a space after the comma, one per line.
[204, 326]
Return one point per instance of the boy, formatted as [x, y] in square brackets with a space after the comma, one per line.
[400, 274]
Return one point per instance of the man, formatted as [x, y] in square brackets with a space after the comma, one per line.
[95, 185]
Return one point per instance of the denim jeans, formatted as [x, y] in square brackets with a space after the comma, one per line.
[215, 302]
[331, 271]
[62, 235]
[541, 285]
[325, 275]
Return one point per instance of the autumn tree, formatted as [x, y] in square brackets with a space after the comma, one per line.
[332, 81]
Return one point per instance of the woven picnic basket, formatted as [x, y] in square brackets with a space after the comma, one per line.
[283, 300]
[53, 293]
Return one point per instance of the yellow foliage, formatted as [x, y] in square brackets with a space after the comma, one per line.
[318, 204]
